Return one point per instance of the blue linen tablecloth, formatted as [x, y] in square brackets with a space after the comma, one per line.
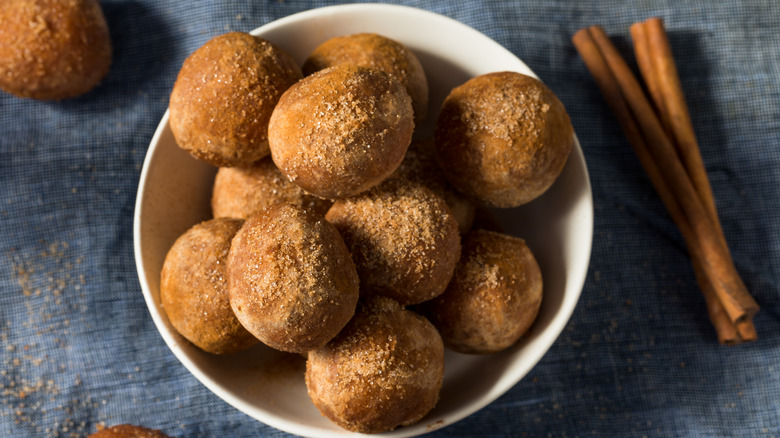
[638, 357]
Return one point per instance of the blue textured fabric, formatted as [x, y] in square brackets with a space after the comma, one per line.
[639, 356]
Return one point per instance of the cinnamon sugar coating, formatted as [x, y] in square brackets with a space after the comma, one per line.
[377, 52]
[384, 370]
[341, 131]
[241, 191]
[224, 95]
[503, 138]
[193, 288]
[291, 279]
[403, 238]
[53, 49]
[420, 165]
[493, 298]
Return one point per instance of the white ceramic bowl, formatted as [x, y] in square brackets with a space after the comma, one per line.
[174, 192]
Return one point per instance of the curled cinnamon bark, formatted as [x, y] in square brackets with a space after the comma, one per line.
[729, 304]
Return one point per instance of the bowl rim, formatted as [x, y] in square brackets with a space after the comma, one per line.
[511, 376]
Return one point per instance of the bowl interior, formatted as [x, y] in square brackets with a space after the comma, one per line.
[174, 194]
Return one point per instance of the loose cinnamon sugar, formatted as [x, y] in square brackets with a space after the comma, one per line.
[30, 378]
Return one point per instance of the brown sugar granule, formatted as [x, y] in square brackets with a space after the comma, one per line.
[53, 49]
[224, 95]
[503, 138]
[493, 298]
[384, 370]
[240, 191]
[341, 131]
[377, 52]
[291, 278]
[194, 288]
[403, 238]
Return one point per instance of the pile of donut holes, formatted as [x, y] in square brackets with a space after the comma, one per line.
[337, 236]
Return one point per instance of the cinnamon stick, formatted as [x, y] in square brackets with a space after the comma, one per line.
[719, 268]
[653, 51]
[672, 103]
[606, 82]
[647, 67]
[597, 50]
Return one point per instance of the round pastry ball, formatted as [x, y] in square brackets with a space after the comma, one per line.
[224, 95]
[342, 130]
[493, 298]
[384, 370]
[193, 288]
[52, 49]
[420, 165]
[127, 431]
[377, 52]
[291, 279]
[403, 238]
[503, 138]
[241, 191]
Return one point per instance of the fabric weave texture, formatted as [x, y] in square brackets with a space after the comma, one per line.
[639, 356]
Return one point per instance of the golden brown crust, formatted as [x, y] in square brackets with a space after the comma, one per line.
[53, 49]
[384, 370]
[127, 431]
[493, 298]
[224, 95]
[377, 52]
[193, 288]
[341, 131]
[291, 279]
[403, 238]
[420, 165]
[241, 191]
[503, 138]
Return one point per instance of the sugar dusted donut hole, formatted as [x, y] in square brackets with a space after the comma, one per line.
[341, 131]
[291, 279]
[193, 288]
[377, 52]
[420, 165]
[128, 431]
[493, 298]
[384, 370]
[403, 238]
[224, 95]
[241, 191]
[53, 49]
[503, 138]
